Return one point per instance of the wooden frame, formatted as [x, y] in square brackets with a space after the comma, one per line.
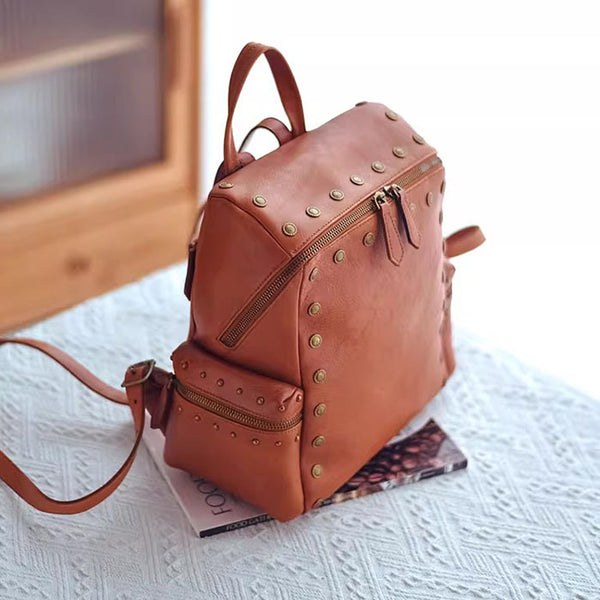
[81, 241]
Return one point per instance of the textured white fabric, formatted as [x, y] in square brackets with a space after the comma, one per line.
[522, 522]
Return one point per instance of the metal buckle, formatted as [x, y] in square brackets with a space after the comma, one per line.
[149, 363]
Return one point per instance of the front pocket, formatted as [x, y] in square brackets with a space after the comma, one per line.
[239, 429]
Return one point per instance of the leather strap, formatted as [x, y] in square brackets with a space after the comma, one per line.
[275, 126]
[25, 488]
[463, 240]
[286, 86]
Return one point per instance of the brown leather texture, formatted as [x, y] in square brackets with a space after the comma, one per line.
[320, 291]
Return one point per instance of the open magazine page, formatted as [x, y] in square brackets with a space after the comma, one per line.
[420, 450]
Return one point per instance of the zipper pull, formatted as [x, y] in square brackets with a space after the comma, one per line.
[412, 229]
[393, 244]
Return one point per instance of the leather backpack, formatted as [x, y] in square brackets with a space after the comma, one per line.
[320, 291]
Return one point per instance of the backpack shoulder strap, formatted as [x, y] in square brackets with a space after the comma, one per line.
[135, 376]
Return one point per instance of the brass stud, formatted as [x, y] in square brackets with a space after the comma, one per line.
[429, 198]
[313, 274]
[282, 408]
[239, 391]
[225, 185]
[336, 194]
[299, 398]
[260, 400]
[357, 179]
[319, 376]
[297, 438]
[203, 374]
[220, 382]
[412, 206]
[318, 441]
[255, 442]
[197, 418]
[369, 238]
[179, 410]
[316, 471]
[289, 229]
[259, 201]
[313, 211]
[419, 139]
[315, 340]
[320, 409]
[399, 152]
[443, 186]
[339, 256]
[278, 443]
[314, 309]
[378, 166]
[233, 434]
[216, 426]
[390, 114]
[184, 364]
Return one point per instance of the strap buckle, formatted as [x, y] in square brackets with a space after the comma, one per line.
[150, 363]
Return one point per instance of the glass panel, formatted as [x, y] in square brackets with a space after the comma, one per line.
[80, 91]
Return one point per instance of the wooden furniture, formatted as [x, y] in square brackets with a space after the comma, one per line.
[98, 147]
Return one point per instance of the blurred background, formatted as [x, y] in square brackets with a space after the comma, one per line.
[100, 121]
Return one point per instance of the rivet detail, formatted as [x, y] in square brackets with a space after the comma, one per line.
[203, 374]
[339, 256]
[278, 443]
[220, 382]
[197, 418]
[369, 238]
[216, 426]
[239, 391]
[313, 211]
[179, 410]
[225, 185]
[259, 201]
[316, 471]
[399, 152]
[314, 309]
[356, 179]
[390, 114]
[260, 400]
[313, 274]
[318, 441]
[233, 434]
[282, 408]
[336, 194]
[255, 442]
[378, 166]
[320, 409]
[184, 364]
[429, 198]
[419, 139]
[315, 340]
[289, 229]
[319, 376]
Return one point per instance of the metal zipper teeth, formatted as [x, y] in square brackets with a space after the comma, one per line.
[272, 289]
[230, 413]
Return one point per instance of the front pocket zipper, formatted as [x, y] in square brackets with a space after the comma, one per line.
[236, 415]
[274, 286]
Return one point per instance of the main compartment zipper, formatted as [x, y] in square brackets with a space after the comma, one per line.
[218, 407]
[274, 286]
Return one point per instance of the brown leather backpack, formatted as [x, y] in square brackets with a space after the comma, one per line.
[320, 310]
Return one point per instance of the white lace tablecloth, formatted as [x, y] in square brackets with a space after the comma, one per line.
[522, 522]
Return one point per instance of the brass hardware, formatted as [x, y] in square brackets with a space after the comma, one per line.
[220, 382]
[336, 194]
[282, 408]
[313, 274]
[225, 185]
[320, 409]
[339, 256]
[316, 471]
[314, 309]
[443, 186]
[290, 229]
[255, 441]
[399, 152]
[184, 364]
[419, 139]
[429, 198]
[233, 434]
[297, 438]
[203, 374]
[149, 364]
[259, 201]
[319, 376]
[239, 391]
[216, 426]
[390, 114]
[360, 103]
[441, 217]
[260, 400]
[378, 166]
[318, 441]
[218, 407]
[357, 179]
[412, 206]
[197, 418]
[278, 443]
[179, 410]
[315, 340]
[369, 238]
[271, 289]
[299, 398]
[313, 211]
